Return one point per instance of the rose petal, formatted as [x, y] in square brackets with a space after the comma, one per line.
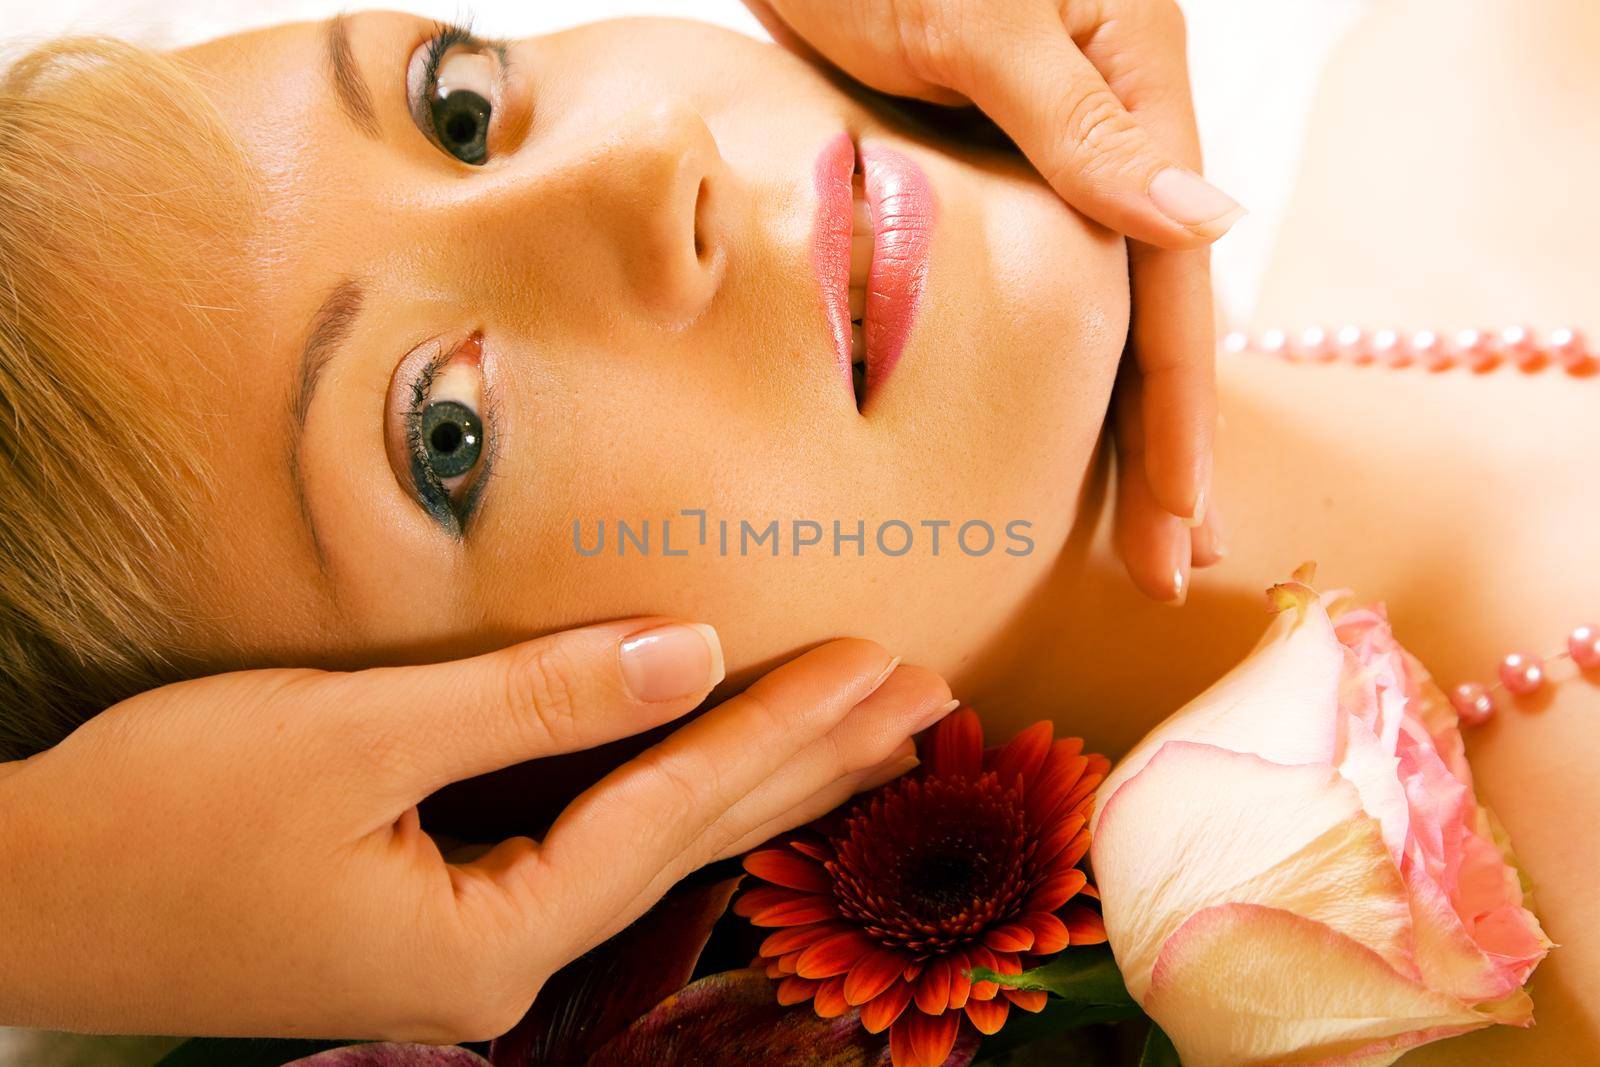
[1281, 703]
[1300, 988]
[1261, 831]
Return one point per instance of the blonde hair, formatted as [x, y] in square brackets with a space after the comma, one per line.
[118, 185]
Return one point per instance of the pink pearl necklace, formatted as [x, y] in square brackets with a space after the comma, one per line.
[1477, 350]
[1521, 673]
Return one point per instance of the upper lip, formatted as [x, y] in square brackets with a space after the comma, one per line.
[901, 204]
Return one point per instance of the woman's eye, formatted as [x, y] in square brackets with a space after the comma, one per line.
[452, 437]
[452, 82]
[440, 438]
[459, 104]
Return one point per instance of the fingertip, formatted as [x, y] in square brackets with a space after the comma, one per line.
[1192, 204]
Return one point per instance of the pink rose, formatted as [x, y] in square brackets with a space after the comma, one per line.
[1295, 863]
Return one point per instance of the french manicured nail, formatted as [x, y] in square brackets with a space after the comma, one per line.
[937, 714]
[1194, 203]
[1210, 543]
[884, 677]
[672, 661]
[904, 759]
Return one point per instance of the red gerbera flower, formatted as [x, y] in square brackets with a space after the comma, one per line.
[970, 861]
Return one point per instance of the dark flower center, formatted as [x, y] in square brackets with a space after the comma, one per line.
[930, 863]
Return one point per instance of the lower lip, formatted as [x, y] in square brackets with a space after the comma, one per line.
[902, 206]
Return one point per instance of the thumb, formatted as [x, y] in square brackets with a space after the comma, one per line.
[440, 723]
[1031, 78]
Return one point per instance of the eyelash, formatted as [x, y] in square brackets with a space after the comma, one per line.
[434, 497]
[446, 35]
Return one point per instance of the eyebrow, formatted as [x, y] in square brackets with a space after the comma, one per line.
[348, 84]
[331, 326]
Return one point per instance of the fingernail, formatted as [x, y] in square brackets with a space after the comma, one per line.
[1198, 516]
[884, 677]
[1180, 585]
[905, 759]
[1212, 535]
[937, 714]
[672, 661]
[1194, 203]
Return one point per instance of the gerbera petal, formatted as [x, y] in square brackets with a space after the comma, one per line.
[876, 970]
[794, 990]
[1027, 999]
[795, 911]
[786, 963]
[781, 866]
[833, 955]
[1009, 937]
[1057, 890]
[812, 849]
[1057, 779]
[978, 956]
[1024, 754]
[1049, 933]
[918, 1040]
[828, 1000]
[760, 898]
[795, 938]
[988, 1015]
[960, 981]
[1085, 925]
[933, 988]
[1054, 839]
[881, 1012]
[956, 748]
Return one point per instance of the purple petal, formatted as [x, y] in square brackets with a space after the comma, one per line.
[733, 1019]
[600, 994]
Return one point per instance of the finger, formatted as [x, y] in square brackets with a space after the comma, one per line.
[1153, 543]
[1030, 77]
[875, 732]
[858, 46]
[614, 842]
[827, 799]
[426, 726]
[1171, 339]
[1207, 541]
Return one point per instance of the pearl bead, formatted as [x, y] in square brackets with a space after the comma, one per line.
[1522, 346]
[1584, 645]
[1473, 703]
[1273, 343]
[1351, 342]
[1236, 342]
[1314, 344]
[1568, 346]
[1478, 349]
[1521, 673]
[1386, 348]
[1430, 349]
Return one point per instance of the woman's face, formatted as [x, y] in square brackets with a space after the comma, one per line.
[605, 277]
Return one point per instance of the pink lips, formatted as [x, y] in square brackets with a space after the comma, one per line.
[902, 206]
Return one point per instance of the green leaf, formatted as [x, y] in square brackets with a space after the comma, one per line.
[1086, 978]
[242, 1052]
[1158, 1050]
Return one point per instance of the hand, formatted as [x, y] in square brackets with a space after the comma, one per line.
[1096, 94]
[241, 855]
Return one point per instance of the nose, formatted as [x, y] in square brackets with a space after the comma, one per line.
[647, 195]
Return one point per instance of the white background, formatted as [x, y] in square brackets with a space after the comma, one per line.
[1254, 63]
